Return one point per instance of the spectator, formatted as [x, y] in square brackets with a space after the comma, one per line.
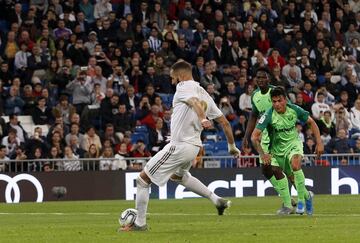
[124, 121]
[42, 114]
[275, 60]
[157, 137]
[102, 9]
[75, 146]
[158, 16]
[11, 141]
[71, 162]
[91, 137]
[356, 148]
[209, 78]
[109, 134]
[106, 162]
[342, 121]
[150, 119]
[3, 157]
[227, 109]
[121, 155]
[93, 154]
[15, 124]
[240, 127]
[339, 144]
[245, 100]
[355, 116]
[326, 124]
[139, 151]
[319, 107]
[81, 90]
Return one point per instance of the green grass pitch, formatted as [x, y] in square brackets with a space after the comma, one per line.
[250, 219]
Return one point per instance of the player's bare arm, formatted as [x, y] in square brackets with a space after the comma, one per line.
[319, 149]
[249, 129]
[196, 105]
[256, 140]
[233, 150]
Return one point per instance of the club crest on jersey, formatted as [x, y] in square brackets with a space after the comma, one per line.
[262, 119]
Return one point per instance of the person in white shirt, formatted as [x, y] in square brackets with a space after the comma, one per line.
[319, 107]
[71, 164]
[193, 110]
[3, 157]
[355, 116]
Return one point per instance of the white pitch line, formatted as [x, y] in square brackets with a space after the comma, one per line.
[176, 214]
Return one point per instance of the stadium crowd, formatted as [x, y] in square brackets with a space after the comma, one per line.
[95, 71]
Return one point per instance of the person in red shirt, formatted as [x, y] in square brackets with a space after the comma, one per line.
[263, 42]
[275, 60]
[150, 119]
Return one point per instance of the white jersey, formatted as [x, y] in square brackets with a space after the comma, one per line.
[185, 124]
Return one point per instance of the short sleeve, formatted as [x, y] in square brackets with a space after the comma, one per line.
[213, 111]
[264, 120]
[254, 108]
[302, 114]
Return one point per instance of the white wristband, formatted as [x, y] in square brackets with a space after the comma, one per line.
[231, 146]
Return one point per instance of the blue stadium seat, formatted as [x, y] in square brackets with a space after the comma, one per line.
[221, 146]
[142, 136]
[221, 135]
[141, 129]
[4, 25]
[167, 99]
[209, 148]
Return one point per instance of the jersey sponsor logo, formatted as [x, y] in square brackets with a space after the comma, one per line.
[289, 129]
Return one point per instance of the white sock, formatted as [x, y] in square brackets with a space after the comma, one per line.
[142, 200]
[198, 187]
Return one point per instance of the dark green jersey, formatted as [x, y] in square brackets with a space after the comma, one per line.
[282, 127]
[261, 102]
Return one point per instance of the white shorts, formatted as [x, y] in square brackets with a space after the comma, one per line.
[172, 159]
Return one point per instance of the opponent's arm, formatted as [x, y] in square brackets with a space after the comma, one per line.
[256, 139]
[315, 129]
[229, 135]
[196, 105]
[249, 129]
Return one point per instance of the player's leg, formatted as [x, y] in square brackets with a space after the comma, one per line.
[299, 177]
[143, 183]
[268, 172]
[183, 177]
[282, 185]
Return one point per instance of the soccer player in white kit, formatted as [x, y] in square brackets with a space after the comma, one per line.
[193, 109]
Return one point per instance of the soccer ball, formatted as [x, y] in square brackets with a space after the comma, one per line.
[128, 217]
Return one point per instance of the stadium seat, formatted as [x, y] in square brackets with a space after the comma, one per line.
[4, 25]
[221, 146]
[25, 120]
[6, 118]
[141, 129]
[221, 135]
[142, 136]
[209, 148]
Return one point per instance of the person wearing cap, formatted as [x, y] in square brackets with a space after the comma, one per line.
[91, 43]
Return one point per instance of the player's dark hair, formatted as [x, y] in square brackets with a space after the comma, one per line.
[263, 69]
[182, 66]
[277, 91]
